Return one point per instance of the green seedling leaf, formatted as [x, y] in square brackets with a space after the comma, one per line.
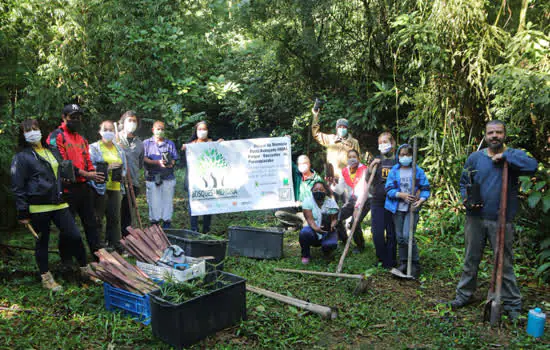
[534, 199]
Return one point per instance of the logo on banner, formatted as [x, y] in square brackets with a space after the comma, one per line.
[213, 169]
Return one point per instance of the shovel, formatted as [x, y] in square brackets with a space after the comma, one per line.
[493, 307]
[395, 271]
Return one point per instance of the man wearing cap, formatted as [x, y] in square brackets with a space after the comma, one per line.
[72, 146]
[337, 145]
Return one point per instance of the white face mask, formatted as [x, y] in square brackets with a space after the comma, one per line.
[342, 132]
[384, 147]
[107, 135]
[303, 168]
[130, 126]
[33, 136]
[202, 134]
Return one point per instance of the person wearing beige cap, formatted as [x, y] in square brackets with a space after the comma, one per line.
[337, 145]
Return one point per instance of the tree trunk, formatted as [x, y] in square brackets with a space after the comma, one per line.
[523, 15]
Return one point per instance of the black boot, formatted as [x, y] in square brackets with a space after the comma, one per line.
[403, 267]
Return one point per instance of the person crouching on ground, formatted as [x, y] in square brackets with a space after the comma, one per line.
[352, 182]
[109, 192]
[320, 211]
[37, 188]
[303, 178]
[400, 195]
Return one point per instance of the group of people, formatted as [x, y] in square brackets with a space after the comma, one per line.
[390, 196]
[57, 177]
[322, 222]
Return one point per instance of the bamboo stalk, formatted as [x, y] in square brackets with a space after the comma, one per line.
[322, 310]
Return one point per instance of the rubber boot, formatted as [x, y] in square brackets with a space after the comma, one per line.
[49, 283]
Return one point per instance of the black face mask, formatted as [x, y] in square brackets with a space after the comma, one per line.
[319, 195]
[73, 125]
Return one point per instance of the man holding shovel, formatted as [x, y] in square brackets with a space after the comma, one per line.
[480, 187]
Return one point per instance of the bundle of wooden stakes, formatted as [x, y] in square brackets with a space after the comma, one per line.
[146, 245]
[113, 269]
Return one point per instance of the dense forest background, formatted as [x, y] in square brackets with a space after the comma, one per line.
[435, 69]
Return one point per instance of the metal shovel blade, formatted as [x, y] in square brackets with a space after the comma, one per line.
[496, 311]
[400, 274]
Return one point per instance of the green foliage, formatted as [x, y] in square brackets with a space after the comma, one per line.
[537, 191]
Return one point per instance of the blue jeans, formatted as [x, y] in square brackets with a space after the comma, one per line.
[309, 238]
[401, 222]
[383, 235]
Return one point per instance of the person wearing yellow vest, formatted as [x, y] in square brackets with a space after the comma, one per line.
[36, 185]
[105, 153]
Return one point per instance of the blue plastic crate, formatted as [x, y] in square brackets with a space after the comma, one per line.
[135, 305]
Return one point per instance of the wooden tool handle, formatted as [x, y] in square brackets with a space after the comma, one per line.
[31, 229]
[322, 310]
[321, 273]
[356, 221]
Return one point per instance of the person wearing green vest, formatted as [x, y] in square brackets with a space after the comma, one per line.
[109, 193]
[36, 185]
[303, 179]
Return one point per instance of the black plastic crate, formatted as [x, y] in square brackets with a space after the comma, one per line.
[253, 242]
[186, 323]
[195, 247]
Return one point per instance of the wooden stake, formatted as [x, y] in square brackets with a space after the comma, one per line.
[324, 311]
[356, 220]
[321, 273]
[361, 287]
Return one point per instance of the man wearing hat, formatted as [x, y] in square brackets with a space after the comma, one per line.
[337, 144]
[72, 146]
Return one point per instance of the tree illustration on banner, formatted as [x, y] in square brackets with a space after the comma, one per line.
[212, 168]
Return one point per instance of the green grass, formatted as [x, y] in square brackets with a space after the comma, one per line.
[392, 314]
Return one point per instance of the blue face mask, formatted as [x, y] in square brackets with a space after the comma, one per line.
[405, 160]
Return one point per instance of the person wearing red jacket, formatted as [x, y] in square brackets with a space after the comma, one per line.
[351, 184]
[72, 146]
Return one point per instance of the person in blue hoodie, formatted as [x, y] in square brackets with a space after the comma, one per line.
[399, 196]
[483, 169]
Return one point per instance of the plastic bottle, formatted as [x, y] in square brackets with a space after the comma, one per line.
[535, 322]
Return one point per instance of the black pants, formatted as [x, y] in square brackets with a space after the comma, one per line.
[346, 212]
[383, 235]
[69, 234]
[81, 201]
[126, 212]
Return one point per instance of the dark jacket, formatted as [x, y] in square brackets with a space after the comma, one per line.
[33, 181]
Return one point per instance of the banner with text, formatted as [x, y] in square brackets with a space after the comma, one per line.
[239, 175]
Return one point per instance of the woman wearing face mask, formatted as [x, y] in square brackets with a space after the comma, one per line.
[36, 186]
[109, 193]
[399, 195]
[200, 134]
[320, 211]
[383, 231]
[133, 149]
[352, 183]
